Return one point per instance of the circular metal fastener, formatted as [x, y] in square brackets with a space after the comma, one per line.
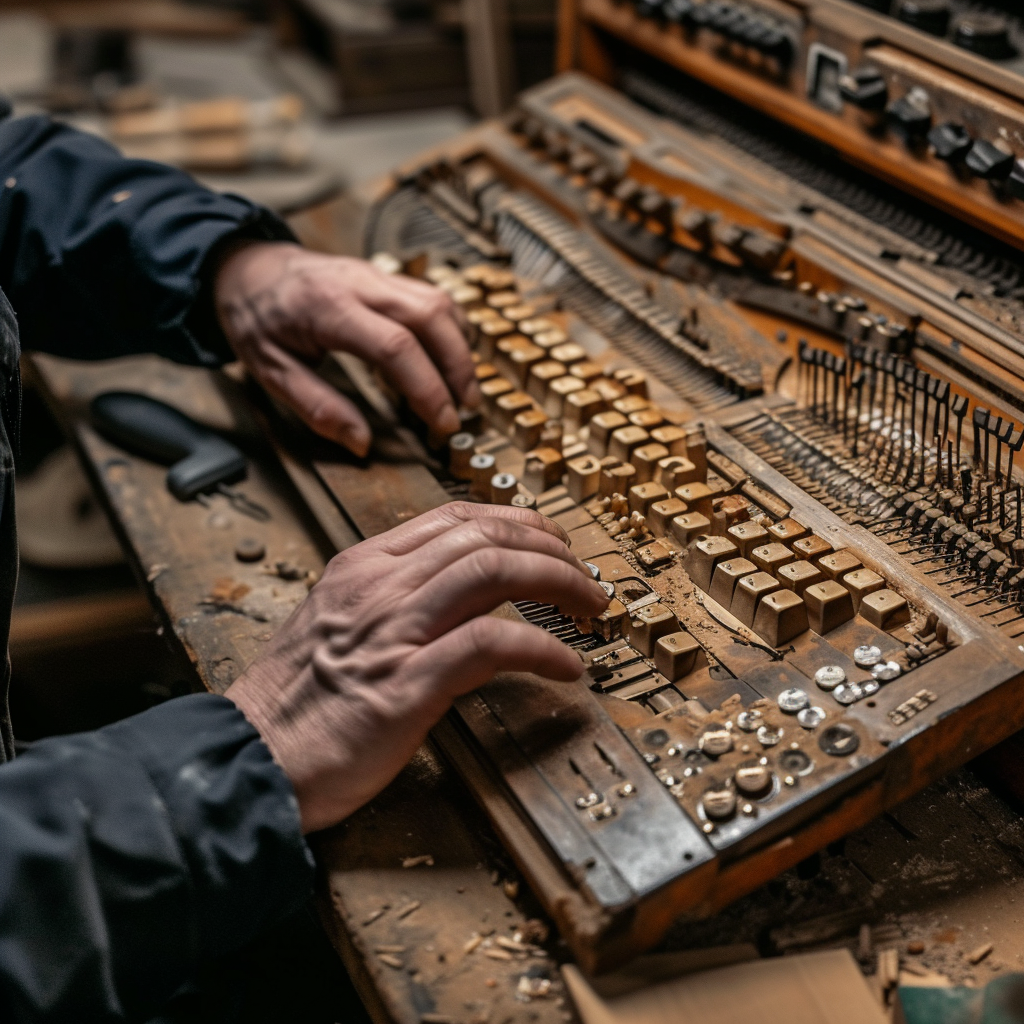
[839, 740]
[793, 700]
[848, 693]
[715, 742]
[719, 804]
[828, 677]
[753, 778]
[750, 721]
[886, 671]
[795, 762]
[811, 718]
[870, 687]
[867, 655]
[656, 737]
[608, 588]
[594, 571]
[248, 549]
[768, 736]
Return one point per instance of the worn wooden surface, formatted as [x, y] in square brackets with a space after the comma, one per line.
[946, 868]
[441, 958]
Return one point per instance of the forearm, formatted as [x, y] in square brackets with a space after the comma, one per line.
[130, 854]
[104, 256]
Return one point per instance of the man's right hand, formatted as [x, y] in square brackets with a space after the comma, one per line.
[396, 630]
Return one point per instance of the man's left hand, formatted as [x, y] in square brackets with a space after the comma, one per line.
[283, 308]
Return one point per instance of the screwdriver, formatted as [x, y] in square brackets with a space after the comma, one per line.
[200, 460]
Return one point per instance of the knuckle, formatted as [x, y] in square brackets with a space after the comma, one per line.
[395, 344]
[490, 564]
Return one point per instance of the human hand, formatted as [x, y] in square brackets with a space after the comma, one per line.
[396, 630]
[283, 307]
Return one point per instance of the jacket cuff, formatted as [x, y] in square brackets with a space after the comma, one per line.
[233, 811]
[200, 323]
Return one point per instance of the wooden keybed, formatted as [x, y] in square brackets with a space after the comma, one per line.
[844, 396]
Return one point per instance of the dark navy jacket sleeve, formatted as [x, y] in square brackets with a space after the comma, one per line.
[102, 256]
[131, 854]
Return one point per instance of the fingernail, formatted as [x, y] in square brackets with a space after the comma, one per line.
[357, 443]
[448, 421]
[472, 396]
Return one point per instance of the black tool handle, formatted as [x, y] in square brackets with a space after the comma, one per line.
[199, 458]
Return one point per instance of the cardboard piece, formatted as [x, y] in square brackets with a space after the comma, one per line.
[823, 987]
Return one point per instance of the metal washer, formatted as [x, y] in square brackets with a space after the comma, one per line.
[867, 655]
[811, 718]
[886, 671]
[793, 700]
[828, 677]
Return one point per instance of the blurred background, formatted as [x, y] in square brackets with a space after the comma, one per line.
[302, 105]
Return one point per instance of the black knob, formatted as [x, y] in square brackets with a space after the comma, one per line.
[677, 11]
[865, 88]
[648, 8]
[987, 35]
[723, 16]
[950, 141]
[774, 42]
[1015, 182]
[910, 116]
[928, 15]
[989, 161]
[702, 14]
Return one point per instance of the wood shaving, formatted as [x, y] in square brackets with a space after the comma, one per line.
[414, 862]
[389, 949]
[370, 918]
[516, 947]
[475, 941]
[977, 955]
[436, 1018]
[498, 954]
[408, 909]
[391, 961]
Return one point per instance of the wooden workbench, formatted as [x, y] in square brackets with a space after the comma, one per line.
[946, 868]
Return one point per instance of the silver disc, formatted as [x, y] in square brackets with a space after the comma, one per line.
[828, 677]
[867, 655]
[811, 718]
[793, 700]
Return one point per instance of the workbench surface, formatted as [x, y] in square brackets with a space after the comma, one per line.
[414, 891]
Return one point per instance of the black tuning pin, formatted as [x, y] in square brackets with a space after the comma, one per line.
[930, 16]
[865, 87]
[958, 408]
[989, 161]
[979, 421]
[951, 142]
[910, 116]
[677, 11]
[987, 35]
[648, 8]
[1015, 182]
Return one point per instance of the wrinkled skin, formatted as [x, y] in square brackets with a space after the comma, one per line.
[398, 627]
[282, 308]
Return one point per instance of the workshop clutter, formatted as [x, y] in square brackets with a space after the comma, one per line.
[217, 134]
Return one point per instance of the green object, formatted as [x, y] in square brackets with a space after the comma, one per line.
[1000, 1002]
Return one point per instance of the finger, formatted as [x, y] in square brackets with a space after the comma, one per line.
[431, 315]
[469, 656]
[321, 407]
[395, 350]
[484, 579]
[414, 534]
[475, 535]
